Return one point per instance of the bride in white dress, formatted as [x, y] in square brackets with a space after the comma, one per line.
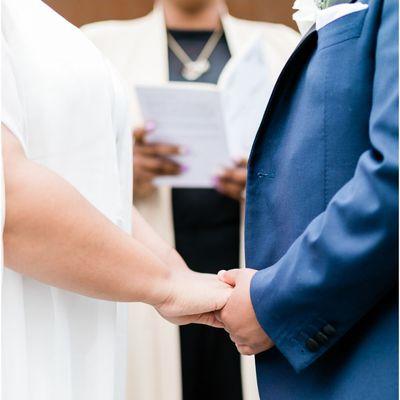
[62, 101]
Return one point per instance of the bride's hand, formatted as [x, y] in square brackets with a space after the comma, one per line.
[193, 298]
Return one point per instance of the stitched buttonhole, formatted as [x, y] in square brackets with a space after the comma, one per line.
[263, 174]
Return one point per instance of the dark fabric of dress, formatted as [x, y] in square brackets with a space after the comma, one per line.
[207, 234]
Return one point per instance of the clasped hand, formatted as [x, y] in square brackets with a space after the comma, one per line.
[221, 301]
[193, 298]
[238, 316]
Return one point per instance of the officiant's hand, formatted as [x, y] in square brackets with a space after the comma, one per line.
[232, 181]
[238, 315]
[193, 298]
[151, 160]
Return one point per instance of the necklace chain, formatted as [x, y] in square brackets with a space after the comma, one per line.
[203, 57]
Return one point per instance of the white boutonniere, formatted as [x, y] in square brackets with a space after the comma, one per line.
[322, 12]
[306, 14]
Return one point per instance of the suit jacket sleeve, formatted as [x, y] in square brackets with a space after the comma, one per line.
[346, 259]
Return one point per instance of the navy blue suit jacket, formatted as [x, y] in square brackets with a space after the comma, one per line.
[322, 215]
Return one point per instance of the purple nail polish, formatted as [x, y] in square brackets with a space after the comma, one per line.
[150, 126]
[184, 168]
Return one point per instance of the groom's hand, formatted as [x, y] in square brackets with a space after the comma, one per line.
[238, 315]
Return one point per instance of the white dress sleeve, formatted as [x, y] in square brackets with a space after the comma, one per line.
[122, 127]
[12, 114]
[122, 123]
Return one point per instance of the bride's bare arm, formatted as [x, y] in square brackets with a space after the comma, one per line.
[55, 236]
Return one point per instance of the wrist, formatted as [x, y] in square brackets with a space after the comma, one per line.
[164, 290]
[175, 261]
[161, 289]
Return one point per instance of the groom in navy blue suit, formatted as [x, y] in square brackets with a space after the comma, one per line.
[322, 219]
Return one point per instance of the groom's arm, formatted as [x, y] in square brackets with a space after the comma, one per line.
[346, 260]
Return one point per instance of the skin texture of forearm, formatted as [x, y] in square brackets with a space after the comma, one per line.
[146, 235]
[54, 235]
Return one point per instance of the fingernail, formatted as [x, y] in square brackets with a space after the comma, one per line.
[221, 274]
[184, 168]
[215, 181]
[220, 172]
[150, 126]
[183, 150]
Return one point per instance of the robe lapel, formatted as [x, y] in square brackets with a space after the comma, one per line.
[237, 36]
[148, 63]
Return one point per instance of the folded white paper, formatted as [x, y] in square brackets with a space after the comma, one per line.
[215, 123]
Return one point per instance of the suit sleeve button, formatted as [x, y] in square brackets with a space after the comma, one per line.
[321, 338]
[329, 330]
[312, 345]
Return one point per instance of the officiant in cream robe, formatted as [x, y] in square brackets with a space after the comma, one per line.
[139, 50]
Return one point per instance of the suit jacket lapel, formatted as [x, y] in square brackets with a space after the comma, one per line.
[305, 47]
[311, 30]
[293, 67]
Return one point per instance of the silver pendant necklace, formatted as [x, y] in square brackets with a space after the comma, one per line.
[194, 69]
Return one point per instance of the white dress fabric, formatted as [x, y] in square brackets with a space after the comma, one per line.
[2, 215]
[63, 102]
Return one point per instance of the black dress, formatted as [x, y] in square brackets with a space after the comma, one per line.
[207, 234]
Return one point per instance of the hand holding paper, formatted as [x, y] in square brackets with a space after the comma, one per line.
[151, 160]
[215, 123]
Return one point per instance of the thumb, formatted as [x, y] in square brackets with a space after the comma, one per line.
[140, 132]
[229, 277]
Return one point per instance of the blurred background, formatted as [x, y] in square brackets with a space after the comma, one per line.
[81, 12]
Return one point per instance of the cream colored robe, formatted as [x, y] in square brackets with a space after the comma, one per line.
[138, 49]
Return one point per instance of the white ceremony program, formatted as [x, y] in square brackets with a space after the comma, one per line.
[214, 123]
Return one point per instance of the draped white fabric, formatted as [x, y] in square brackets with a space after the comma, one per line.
[2, 214]
[61, 99]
